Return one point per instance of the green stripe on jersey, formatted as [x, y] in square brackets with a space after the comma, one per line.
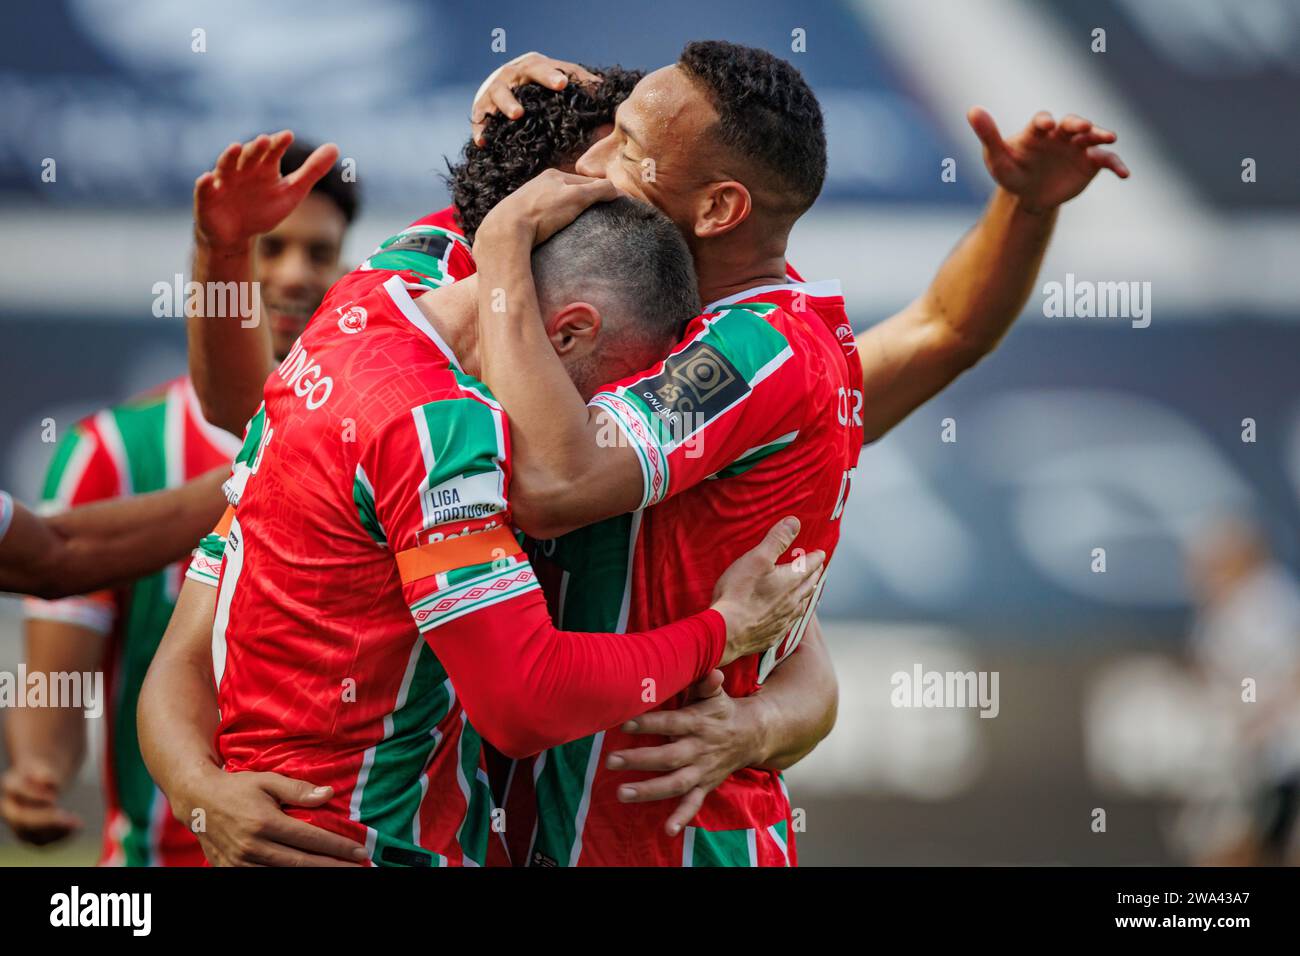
[423, 250]
[74, 439]
[746, 338]
[388, 798]
[363, 496]
[751, 458]
[720, 848]
[595, 560]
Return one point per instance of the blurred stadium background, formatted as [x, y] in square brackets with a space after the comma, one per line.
[1076, 434]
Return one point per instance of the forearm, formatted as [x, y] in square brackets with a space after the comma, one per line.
[110, 542]
[54, 737]
[982, 286]
[562, 685]
[974, 298]
[229, 355]
[177, 711]
[796, 707]
[563, 476]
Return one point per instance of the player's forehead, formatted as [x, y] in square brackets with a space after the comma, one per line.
[316, 218]
[664, 108]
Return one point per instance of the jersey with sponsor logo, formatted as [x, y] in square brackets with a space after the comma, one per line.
[753, 416]
[160, 440]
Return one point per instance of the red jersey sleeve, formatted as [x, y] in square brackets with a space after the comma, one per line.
[735, 390]
[431, 488]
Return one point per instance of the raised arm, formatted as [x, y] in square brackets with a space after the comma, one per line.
[243, 196]
[983, 285]
[107, 543]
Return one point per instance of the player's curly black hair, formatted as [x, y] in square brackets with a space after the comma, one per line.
[556, 128]
[767, 114]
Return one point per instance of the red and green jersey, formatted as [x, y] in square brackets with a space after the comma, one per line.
[371, 591]
[754, 415]
[370, 442]
[160, 440]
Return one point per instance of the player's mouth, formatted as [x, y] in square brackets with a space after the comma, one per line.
[288, 319]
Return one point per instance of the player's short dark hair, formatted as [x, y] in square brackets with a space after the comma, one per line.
[556, 128]
[630, 260]
[767, 114]
[346, 195]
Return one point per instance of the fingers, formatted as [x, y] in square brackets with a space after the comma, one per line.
[664, 723]
[503, 101]
[280, 143]
[298, 835]
[1105, 159]
[315, 166]
[253, 151]
[205, 186]
[671, 756]
[1093, 137]
[709, 686]
[778, 539]
[675, 784]
[1042, 123]
[272, 855]
[294, 793]
[495, 95]
[554, 74]
[982, 123]
[31, 787]
[228, 161]
[685, 812]
[1073, 124]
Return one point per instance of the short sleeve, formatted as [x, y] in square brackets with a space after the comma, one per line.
[733, 392]
[431, 487]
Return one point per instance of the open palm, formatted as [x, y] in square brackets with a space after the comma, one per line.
[245, 195]
[1047, 163]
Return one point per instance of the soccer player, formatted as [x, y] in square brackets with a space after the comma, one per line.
[370, 586]
[160, 441]
[733, 139]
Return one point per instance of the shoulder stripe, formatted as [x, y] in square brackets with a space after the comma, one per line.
[397, 291]
[818, 290]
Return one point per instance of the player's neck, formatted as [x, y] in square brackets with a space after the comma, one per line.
[736, 262]
[453, 312]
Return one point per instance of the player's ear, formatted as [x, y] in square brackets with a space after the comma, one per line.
[722, 207]
[575, 325]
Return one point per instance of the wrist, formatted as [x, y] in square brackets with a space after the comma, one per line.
[222, 248]
[759, 720]
[731, 616]
[1022, 205]
[502, 236]
[190, 789]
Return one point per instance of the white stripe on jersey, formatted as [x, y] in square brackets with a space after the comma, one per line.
[816, 290]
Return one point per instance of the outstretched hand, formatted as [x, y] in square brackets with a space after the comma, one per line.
[245, 195]
[1047, 163]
